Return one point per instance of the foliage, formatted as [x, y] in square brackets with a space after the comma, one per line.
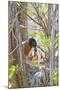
[43, 41]
[37, 66]
[56, 45]
[41, 68]
[30, 12]
[13, 71]
[43, 8]
[35, 62]
[55, 78]
[10, 85]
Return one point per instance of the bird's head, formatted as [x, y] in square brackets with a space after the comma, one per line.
[28, 44]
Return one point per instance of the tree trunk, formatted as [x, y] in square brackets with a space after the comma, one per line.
[51, 32]
[22, 35]
[13, 57]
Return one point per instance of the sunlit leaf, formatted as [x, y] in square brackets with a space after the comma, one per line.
[56, 45]
[34, 62]
[41, 68]
[13, 70]
[57, 34]
[43, 8]
[44, 42]
[55, 77]
[56, 40]
[30, 12]
[56, 53]
[10, 85]
[32, 35]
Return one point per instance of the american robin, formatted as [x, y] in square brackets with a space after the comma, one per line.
[28, 45]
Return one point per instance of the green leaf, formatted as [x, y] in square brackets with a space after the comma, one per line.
[43, 41]
[9, 85]
[12, 71]
[57, 34]
[56, 53]
[56, 40]
[41, 68]
[41, 10]
[34, 62]
[30, 11]
[55, 77]
[56, 45]
[32, 35]
[43, 13]
[41, 34]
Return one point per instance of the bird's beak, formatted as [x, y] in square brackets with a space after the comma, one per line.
[23, 42]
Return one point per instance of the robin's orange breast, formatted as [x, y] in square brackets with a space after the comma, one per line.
[27, 49]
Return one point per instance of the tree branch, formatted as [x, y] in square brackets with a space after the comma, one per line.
[16, 42]
[45, 28]
[31, 17]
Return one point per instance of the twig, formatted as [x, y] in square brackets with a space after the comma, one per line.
[40, 48]
[34, 20]
[31, 17]
[16, 41]
[45, 28]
